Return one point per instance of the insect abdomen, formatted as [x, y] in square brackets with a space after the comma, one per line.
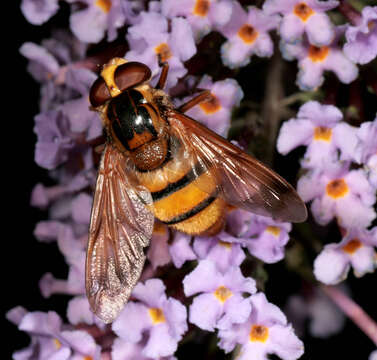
[179, 201]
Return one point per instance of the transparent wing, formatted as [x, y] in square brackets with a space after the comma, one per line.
[240, 179]
[121, 225]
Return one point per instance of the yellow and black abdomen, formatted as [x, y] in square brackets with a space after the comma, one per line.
[178, 200]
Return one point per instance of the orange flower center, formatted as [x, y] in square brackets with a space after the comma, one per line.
[247, 33]
[164, 51]
[322, 133]
[303, 11]
[222, 294]
[57, 343]
[210, 106]
[371, 25]
[274, 230]
[337, 188]
[225, 244]
[201, 7]
[352, 246]
[258, 333]
[318, 54]
[156, 315]
[104, 5]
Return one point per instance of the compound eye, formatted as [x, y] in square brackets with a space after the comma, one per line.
[131, 74]
[99, 93]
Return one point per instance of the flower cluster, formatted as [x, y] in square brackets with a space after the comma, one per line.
[340, 184]
[202, 283]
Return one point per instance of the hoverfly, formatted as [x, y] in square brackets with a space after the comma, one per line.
[159, 163]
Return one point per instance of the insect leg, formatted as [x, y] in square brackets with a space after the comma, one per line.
[164, 73]
[203, 96]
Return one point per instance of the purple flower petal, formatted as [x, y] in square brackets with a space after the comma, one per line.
[205, 269]
[131, 322]
[39, 11]
[361, 45]
[180, 250]
[151, 293]
[205, 311]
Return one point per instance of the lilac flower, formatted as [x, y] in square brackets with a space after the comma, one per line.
[180, 249]
[318, 127]
[247, 34]
[356, 250]
[43, 196]
[40, 11]
[299, 17]
[313, 61]
[365, 151]
[162, 318]
[52, 339]
[373, 355]
[203, 15]
[216, 112]
[372, 170]
[367, 145]
[74, 251]
[91, 23]
[82, 120]
[54, 141]
[78, 312]
[221, 302]
[50, 63]
[266, 331]
[361, 45]
[158, 253]
[122, 350]
[50, 60]
[81, 207]
[341, 193]
[224, 254]
[263, 237]
[325, 318]
[150, 37]
[42, 64]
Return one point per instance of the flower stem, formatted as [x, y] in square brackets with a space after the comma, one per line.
[353, 311]
[349, 12]
[271, 113]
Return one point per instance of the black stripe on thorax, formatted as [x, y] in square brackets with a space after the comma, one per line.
[171, 188]
[195, 210]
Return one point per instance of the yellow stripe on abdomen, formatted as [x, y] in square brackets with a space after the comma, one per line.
[184, 206]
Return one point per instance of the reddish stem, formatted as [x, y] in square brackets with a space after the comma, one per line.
[353, 311]
[349, 12]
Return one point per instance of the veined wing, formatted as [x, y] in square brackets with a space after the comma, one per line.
[121, 225]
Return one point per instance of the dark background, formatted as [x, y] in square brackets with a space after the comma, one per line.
[25, 260]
